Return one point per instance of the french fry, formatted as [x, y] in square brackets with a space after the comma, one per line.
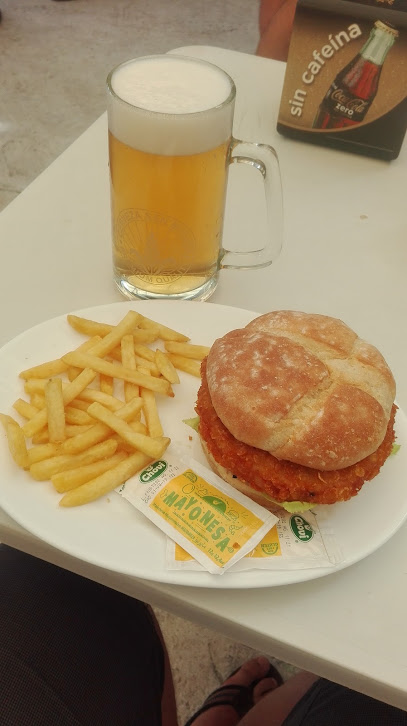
[86, 360]
[41, 437]
[137, 426]
[53, 367]
[35, 385]
[87, 439]
[128, 359]
[152, 447]
[150, 366]
[143, 351]
[43, 469]
[75, 429]
[87, 345]
[45, 451]
[36, 423]
[46, 468]
[76, 416]
[81, 405]
[17, 444]
[88, 327]
[74, 388]
[15, 440]
[106, 482]
[82, 441]
[166, 368]
[146, 372]
[112, 339]
[67, 480]
[99, 431]
[89, 395]
[45, 370]
[70, 430]
[106, 384]
[71, 391]
[5, 419]
[162, 331]
[144, 336]
[186, 364]
[127, 352]
[55, 410]
[143, 368]
[91, 327]
[41, 452]
[37, 400]
[151, 416]
[187, 350]
[25, 409]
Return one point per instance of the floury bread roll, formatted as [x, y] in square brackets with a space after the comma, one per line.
[296, 407]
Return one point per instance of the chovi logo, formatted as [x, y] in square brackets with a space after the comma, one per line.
[152, 471]
[301, 528]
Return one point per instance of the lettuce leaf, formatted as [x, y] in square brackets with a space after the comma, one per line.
[192, 422]
[292, 507]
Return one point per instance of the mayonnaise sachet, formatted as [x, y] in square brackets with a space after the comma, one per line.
[295, 542]
[213, 522]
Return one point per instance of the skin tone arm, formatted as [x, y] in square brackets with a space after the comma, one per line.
[275, 23]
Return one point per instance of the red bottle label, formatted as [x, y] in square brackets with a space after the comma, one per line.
[340, 102]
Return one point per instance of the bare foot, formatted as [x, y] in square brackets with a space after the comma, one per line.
[251, 671]
[274, 708]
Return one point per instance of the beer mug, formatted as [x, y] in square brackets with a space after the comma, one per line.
[170, 145]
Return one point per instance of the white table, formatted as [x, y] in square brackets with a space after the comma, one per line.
[344, 255]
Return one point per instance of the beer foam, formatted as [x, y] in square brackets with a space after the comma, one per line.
[171, 85]
[170, 105]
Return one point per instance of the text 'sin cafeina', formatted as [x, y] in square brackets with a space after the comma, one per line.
[346, 79]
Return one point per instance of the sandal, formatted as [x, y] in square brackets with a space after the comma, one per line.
[238, 696]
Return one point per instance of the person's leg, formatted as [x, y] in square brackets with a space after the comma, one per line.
[75, 653]
[327, 703]
[267, 11]
[306, 700]
[274, 707]
[303, 700]
[168, 702]
[224, 706]
[275, 21]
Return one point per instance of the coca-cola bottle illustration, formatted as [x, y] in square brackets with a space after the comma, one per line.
[352, 92]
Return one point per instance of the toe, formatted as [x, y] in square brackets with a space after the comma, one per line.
[249, 672]
[265, 686]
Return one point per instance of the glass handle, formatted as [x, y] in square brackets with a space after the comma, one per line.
[264, 159]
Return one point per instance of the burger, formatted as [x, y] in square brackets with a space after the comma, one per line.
[296, 410]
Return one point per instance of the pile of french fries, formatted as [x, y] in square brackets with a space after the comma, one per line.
[78, 430]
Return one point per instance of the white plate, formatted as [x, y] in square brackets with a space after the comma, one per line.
[109, 533]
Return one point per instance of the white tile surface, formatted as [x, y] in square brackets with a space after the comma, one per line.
[55, 57]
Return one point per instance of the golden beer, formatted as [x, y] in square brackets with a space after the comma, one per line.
[169, 154]
[167, 216]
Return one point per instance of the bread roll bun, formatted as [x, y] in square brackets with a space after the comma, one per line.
[303, 387]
